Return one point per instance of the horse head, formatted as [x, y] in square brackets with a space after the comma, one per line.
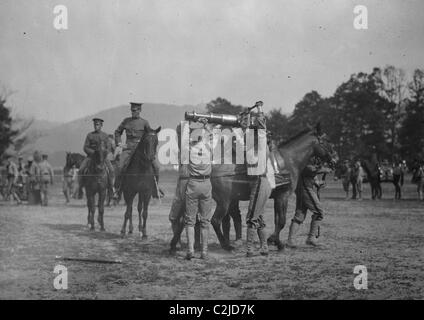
[323, 148]
[147, 147]
[98, 158]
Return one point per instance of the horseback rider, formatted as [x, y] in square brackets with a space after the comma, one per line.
[260, 188]
[307, 199]
[92, 142]
[134, 127]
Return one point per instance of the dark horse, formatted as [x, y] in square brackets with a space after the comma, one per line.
[95, 181]
[373, 171]
[294, 154]
[139, 179]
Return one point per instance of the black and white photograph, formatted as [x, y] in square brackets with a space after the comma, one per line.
[232, 150]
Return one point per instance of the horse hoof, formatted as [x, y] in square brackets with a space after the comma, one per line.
[144, 237]
[228, 248]
[172, 251]
[270, 241]
[102, 229]
[280, 246]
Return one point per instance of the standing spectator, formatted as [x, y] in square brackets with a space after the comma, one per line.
[345, 173]
[418, 178]
[33, 177]
[358, 176]
[12, 179]
[46, 177]
[353, 179]
[398, 179]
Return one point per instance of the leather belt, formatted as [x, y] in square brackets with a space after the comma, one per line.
[200, 177]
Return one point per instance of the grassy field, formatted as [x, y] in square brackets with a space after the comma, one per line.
[386, 236]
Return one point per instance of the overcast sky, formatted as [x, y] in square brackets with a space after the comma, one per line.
[190, 52]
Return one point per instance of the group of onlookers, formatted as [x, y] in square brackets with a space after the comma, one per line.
[354, 174]
[26, 181]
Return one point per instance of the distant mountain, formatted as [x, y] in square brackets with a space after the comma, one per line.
[56, 140]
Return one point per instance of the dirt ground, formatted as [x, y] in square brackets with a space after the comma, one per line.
[386, 236]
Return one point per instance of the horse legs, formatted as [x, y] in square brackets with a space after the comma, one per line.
[66, 190]
[234, 213]
[143, 205]
[129, 198]
[226, 226]
[101, 208]
[91, 210]
[177, 229]
[220, 212]
[280, 212]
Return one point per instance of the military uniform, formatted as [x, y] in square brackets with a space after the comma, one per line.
[12, 179]
[134, 129]
[358, 174]
[198, 195]
[260, 188]
[92, 142]
[345, 177]
[307, 199]
[46, 178]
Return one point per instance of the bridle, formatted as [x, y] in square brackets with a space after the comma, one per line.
[145, 151]
[324, 144]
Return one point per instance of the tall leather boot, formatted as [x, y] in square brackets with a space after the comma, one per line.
[250, 237]
[264, 243]
[204, 232]
[190, 242]
[294, 227]
[80, 185]
[313, 232]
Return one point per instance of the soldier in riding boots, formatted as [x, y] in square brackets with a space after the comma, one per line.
[307, 199]
[92, 142]
[260, 189]
[46, 178]
[134, 127]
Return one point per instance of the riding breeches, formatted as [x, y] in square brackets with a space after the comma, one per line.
[109, 166]
[260, 190]
[124, 160]
[307, 199]
[198, 197]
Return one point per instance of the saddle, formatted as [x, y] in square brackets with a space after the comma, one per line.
[282, 175]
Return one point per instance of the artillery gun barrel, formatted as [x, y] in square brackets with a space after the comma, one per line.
[217, 118]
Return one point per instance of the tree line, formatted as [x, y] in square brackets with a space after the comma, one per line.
[381, 111]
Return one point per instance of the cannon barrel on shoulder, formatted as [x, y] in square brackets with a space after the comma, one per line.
[216, 118]
[223, 119]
